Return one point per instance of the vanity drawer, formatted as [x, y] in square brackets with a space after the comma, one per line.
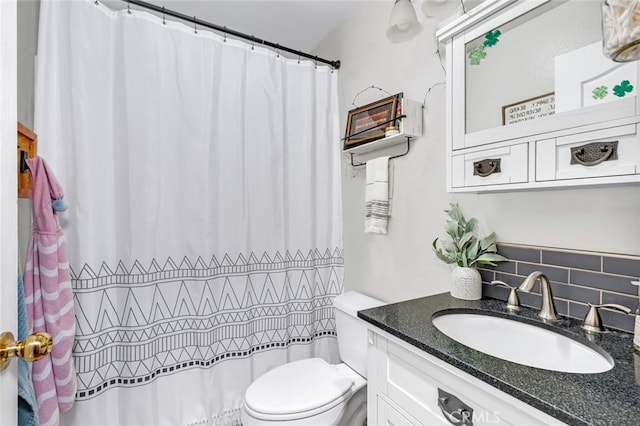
[415, 382]
[603, 153]
[495, 166]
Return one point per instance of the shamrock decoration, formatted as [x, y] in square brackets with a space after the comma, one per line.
[477, 54]
[491, 38]
[621, 89]
[599, 92]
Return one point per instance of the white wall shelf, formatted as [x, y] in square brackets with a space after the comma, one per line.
[379, 144]
[410, 127]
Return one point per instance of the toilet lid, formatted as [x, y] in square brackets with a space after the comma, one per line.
[297, 387]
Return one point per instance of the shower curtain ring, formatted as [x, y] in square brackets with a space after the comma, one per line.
[129, 7]
[164, 22]
[195, 26]
[316, 62]
[277, 50]
[225, 34]
[298, 57]
[253, 40]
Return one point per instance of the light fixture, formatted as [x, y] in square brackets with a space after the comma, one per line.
[440, 8]
[403, 24]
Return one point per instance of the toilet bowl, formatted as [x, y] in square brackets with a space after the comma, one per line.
[312, 392]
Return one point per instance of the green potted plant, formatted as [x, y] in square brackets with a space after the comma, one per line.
[466, 250]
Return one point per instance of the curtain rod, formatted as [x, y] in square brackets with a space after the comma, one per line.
[194, 20]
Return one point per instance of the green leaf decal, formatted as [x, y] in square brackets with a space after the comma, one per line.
[622, 89]
[477, 54]
[491, 38]
[599, 92]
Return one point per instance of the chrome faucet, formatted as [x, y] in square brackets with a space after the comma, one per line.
[548, 309]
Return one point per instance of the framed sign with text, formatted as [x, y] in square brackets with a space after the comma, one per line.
[367, 123]
[529, 109]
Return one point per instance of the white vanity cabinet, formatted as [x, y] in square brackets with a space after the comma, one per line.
[533, 103]
[407, 386]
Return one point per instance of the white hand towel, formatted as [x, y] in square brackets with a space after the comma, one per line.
[377, 196]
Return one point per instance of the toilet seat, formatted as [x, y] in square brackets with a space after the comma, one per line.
[297, 390]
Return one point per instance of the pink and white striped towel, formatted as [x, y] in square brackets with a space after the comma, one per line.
[49, 297]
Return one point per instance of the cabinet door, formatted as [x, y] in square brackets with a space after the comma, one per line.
[389, 416]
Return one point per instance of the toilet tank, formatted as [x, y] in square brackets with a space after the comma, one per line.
[351, 330]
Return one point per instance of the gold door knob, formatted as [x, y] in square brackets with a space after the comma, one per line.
[34, 347]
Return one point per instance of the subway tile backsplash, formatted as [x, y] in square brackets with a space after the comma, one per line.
[577, 278]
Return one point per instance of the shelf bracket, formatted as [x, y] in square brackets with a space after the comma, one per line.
[390, 158]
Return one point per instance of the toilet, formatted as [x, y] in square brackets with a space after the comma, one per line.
[312, 392]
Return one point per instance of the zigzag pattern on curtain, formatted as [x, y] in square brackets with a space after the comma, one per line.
[156, 321]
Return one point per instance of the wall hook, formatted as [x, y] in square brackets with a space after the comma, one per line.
[23, 161]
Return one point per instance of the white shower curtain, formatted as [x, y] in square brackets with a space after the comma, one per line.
[204, 229]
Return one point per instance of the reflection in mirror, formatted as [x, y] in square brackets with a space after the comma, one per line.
[510, 71]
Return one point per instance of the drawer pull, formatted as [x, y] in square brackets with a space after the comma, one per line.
[454, 410]
[594, 153]
[484, 168]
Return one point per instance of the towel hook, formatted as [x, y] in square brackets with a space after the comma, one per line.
[23, 161]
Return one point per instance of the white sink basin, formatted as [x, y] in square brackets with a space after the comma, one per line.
[522, 343]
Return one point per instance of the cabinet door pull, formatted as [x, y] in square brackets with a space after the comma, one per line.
[454, 410]
[484, 168]
[595, 153]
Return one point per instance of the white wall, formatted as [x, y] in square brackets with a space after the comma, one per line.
[401, 264]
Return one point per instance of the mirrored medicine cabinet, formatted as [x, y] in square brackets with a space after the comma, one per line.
[533, 102]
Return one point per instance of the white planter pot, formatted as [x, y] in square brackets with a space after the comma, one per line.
[466, 283]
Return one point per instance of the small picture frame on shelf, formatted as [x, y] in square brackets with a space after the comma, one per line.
[367, 123]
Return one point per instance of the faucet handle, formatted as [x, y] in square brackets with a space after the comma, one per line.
[593, 322]
[513, 302]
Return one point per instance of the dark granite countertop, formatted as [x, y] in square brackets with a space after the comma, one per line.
[609, 398]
